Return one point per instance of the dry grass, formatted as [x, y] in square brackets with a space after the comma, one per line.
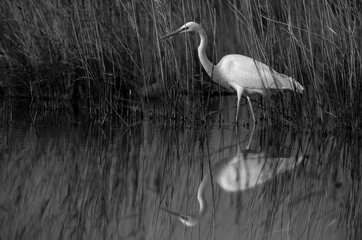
[99, 55]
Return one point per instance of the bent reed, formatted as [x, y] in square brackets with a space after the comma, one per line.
[103, 56]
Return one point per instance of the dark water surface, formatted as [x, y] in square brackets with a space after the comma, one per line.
[61, 181]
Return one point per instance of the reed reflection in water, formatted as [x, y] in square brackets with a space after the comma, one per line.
[76, 183]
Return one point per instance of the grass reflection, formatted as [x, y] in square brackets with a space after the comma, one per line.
[89, 184]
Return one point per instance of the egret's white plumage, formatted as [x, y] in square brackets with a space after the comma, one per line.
[242, 172]
[244, 74]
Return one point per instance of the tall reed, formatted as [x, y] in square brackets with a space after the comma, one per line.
[100, 55]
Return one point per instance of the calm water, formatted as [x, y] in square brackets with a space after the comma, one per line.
[61, 181]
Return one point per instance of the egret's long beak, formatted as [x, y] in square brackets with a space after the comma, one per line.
[171, 212]
[181, 217]
[187, 220]
[173, 33]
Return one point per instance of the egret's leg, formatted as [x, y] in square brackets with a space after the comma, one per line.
[251, 137]
[239, 92]
[238, 141]
[251, 109]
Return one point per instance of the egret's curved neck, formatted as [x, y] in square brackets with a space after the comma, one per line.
[200, 196]
[205, 62]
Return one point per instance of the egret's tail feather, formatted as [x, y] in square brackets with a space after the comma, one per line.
[285, 82]
[296, 85]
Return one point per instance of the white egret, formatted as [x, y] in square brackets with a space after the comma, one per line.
[242, 172]
[244, 74]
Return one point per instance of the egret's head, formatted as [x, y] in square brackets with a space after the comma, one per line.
[188, 27]
[189, 221]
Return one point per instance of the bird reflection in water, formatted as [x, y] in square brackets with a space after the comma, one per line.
[244, 171]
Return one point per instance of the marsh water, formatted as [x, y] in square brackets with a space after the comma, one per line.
[61, 180]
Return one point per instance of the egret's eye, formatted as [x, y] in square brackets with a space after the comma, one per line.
[183, 218]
